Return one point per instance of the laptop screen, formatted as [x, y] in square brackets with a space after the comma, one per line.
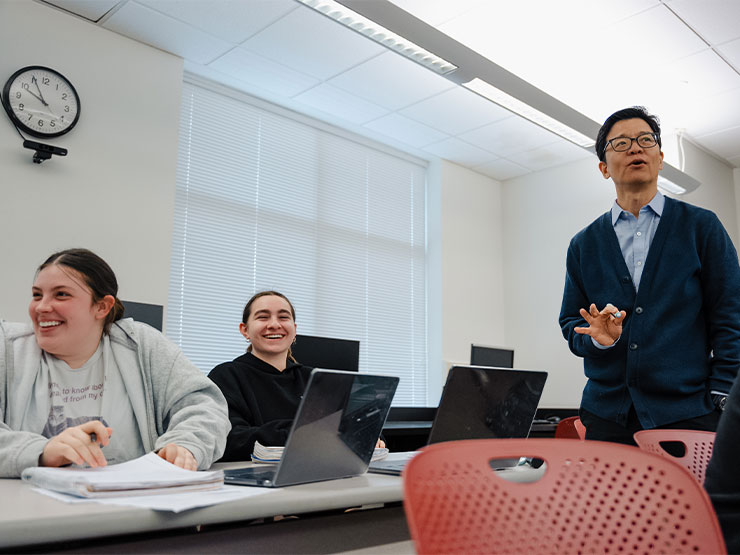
[481, 403]
[339, 421]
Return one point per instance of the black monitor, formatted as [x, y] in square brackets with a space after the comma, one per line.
[148, 313]
[480, 355]
[327, 352]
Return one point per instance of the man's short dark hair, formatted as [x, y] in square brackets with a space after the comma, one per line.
[626, 113]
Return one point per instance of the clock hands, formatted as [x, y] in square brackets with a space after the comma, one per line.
[41, 97]
[37, 96]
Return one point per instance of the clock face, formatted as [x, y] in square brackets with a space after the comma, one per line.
[41, 101]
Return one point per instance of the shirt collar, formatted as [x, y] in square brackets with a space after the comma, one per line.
[656, 205]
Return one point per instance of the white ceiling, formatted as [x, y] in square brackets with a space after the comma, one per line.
[680, 58]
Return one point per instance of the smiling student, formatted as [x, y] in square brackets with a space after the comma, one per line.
[264, 386]
[83, 386]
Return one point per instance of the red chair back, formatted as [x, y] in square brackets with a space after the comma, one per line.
[593, 497]
[698, 447]
[568, 428]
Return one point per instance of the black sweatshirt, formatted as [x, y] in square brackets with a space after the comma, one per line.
[262, 402]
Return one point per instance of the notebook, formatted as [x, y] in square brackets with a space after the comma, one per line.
[334, 432]
[480, 402]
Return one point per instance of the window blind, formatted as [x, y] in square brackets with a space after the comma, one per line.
[267, 201]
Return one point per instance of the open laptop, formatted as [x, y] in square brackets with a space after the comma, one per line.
[334, 432]
[480, 402]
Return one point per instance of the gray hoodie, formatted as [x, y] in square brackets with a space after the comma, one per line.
[179, 403]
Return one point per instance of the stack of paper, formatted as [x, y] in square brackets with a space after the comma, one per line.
[146, 475]
[265, 454]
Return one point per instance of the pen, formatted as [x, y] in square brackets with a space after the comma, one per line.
[94, 437]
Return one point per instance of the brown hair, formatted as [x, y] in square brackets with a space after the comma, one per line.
[97, 274]
[248, 311]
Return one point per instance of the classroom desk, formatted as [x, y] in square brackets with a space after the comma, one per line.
[28, 518]
[375, 521]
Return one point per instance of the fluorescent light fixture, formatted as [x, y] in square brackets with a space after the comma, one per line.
[379, 34]
[526, 111]
[668, 186]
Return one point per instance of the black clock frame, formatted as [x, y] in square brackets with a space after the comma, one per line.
[18, 123]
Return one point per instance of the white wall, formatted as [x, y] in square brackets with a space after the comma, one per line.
[114, 192]
[472, 269]
[542, 212]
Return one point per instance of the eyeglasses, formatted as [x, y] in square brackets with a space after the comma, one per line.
[621, 144]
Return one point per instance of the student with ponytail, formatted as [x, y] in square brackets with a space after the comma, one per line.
[264, 386]
[83, 385]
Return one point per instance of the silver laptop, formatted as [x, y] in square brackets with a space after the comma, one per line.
[334, 432]
[480, 402]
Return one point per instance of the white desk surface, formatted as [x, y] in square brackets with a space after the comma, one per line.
[28, 517]
[31, 518]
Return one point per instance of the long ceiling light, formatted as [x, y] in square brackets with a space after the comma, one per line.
[380, 34]
[526, 111]
[371, 18]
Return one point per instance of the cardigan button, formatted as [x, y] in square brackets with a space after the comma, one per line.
[638, 310]
[633, 346]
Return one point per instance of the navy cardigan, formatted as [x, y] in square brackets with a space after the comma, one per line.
[681, 336]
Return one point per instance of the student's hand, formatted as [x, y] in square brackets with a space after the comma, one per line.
[78, 445]
[604, 327]
[380, 444]
[179, 456]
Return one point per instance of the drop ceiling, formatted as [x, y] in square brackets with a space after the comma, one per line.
[680, 58]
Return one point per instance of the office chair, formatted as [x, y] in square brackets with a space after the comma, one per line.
[570, 428]
[698, 446]
[594, 497]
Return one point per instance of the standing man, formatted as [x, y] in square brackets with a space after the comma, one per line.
[652, 298]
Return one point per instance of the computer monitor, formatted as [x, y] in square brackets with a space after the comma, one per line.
[142, 312]
[481, 355]
[327, 352]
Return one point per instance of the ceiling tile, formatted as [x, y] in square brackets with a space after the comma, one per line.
[89, 10]
[391, 81]
[340, 104]
[250, 68]
[455, 111]
[460, 152]
[702, 74]
[151, 27]
[501, 169]
[314, 44]
[231, 20]
[724, 143]
[550, 155]
[406, 130]
[715, 20]
[731, 51]
[513, 134]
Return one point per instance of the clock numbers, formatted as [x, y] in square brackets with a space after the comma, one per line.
[48, 102]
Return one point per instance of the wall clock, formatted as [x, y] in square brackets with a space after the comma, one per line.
[41, 101]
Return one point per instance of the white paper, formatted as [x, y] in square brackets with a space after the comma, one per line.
[173, 502]
[138, 476]
[268, 454]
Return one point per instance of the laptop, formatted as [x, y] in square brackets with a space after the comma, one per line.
[333, 434]
[480, 402]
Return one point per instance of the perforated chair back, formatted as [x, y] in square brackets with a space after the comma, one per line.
[580, 428]
[594, 497]
[568, 428]
[697, 445]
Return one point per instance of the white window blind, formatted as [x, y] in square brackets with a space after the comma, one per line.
[265, 201]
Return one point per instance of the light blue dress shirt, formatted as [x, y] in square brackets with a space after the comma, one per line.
[635, 236]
